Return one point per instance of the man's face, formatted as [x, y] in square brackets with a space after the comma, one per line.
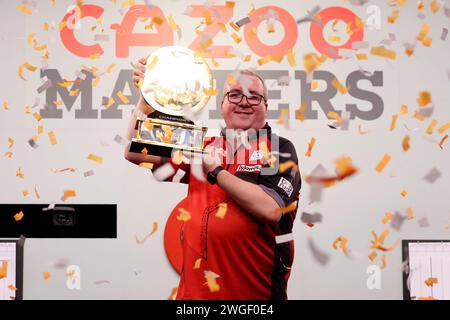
[243, 115]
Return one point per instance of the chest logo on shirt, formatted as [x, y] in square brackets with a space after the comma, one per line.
[286, 186]
[256, 155]
[255, 168]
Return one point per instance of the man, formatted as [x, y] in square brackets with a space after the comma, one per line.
[237, 243]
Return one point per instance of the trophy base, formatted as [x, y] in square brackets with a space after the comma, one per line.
[160, 136]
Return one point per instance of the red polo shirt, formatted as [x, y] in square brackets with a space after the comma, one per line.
[239, 249]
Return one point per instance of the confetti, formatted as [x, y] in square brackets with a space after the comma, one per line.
[222, 211]
[441, 143]
[25, 192]
[123, 98]
[52, 137]
[172, 294]
[37, 116]
[397, 221]
[383, 262]
[431, 281]
[432, 175]
[382, 52]
[95, 158]
[310, 147]
[424, 98]
[319, 255]
[431, 126]
[311, 219]
[423, 222]
[287, 165]
[380, 166]
[27, 66]
[20, 174]
[18, 216]
[4, 269]
[372, 255]
[197, 263]
[405, 143]
[444, 128]
[88, 173]
[409, 213]
[339, 86]
[146, 165]
[46, 275]
[393, 122]
[184, 215]
[36, 193]
[24, 9]
[291, 207]
[342, 242]
[387, 217]
[211, 281]
[69, 194]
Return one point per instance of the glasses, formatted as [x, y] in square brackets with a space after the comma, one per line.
[236, 97]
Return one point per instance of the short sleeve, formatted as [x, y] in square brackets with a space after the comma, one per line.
[284, 187]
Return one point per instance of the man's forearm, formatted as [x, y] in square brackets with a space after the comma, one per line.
[249, 197]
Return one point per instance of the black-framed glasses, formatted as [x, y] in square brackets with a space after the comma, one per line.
[236, 97]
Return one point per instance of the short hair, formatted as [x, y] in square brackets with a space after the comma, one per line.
[250, 73]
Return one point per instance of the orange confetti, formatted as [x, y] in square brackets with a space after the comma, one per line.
[403, 109]
[393, 122]
[339, 86]
[123, 98]
[172, 294]
[405, 143]
[211, 281]
[382, 52]
[18, 216]
[52, 137]
[69, 194]
[184, 215]
[442, 141]
[146, 165]
[12, 287]
[431, 281]
[20, 174]
[383, 262]
[310, 147]
[197, 263]
[25, 192]
[372, 255]
[222, 211]
[444, 128]
[380, 166]
[431, 126]
[47, 275]
[95, 158]
[287, 165]
[27, 66]
[410, 213]
[404, 193]
[387, 217]
[24, 9]
[37, 116]
[291, 207]
[424, 98]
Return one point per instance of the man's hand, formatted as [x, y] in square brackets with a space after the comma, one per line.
[139, 70]
[211, 159]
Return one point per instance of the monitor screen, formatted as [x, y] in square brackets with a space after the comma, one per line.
[428, 272]
[11, 269]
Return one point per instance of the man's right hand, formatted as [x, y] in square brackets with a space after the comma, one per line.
[139, 70]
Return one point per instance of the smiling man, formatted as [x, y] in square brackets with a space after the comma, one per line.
[238, 242]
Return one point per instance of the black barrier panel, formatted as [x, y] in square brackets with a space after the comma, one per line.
[64, 221]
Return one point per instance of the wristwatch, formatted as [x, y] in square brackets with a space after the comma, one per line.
[212, 175]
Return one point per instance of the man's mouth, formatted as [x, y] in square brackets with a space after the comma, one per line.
[244, 112]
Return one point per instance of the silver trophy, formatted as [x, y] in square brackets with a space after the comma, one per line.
[176, 83]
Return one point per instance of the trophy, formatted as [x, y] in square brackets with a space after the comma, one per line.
[176, 83]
